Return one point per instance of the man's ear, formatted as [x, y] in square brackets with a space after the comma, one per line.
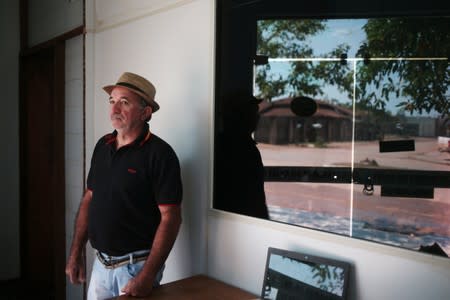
[146, 113]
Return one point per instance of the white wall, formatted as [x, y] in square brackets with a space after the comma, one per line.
[113, 13]
[74, 161]
[9, 150]
[173, 48]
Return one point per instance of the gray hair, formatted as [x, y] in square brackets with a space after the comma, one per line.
[144, 104]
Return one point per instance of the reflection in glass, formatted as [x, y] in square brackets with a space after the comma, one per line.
[332, 122]
[406, 215]
[407, 222]
[382, 92]
[239, 185]
[322, 206]
[288, 278]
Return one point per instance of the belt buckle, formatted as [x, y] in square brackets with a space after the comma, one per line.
[106, 262]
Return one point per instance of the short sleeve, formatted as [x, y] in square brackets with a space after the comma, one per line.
[167, 178]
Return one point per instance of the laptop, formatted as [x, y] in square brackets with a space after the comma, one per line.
[293, 275]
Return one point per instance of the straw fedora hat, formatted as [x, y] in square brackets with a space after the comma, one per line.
[137, 84]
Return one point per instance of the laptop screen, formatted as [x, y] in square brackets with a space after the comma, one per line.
[293, 275]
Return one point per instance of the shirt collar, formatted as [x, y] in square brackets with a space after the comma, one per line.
[110, 139]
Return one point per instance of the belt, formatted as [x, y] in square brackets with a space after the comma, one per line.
[112, 262]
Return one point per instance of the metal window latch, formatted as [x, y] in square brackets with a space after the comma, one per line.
[368, 187]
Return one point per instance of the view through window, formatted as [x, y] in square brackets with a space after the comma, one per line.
[373, 161]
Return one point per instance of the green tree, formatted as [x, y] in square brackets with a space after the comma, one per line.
[422, 85]
[286, 38]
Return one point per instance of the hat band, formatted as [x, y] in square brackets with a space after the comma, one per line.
[131, 86]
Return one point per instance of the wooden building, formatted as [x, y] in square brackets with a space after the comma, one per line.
[279, 125]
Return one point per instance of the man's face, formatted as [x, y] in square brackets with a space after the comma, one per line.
[126, 111]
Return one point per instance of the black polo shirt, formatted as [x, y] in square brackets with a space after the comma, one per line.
[127, 186]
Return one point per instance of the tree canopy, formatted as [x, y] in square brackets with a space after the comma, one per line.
[404, 60]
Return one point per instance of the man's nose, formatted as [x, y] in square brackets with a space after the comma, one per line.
[115, 107]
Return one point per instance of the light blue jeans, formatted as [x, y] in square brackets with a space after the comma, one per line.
[107, 283]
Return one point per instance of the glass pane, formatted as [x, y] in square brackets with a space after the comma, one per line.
[320, 140]
[397, 129]
[379, 89]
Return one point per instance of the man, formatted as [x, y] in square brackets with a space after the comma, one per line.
[131, 210]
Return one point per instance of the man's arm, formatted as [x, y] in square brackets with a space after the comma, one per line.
[75, 267]
[165, 237]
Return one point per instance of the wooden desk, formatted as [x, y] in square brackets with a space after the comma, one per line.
[197, 287]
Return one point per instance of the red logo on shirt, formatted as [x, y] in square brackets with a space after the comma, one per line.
[132, 171]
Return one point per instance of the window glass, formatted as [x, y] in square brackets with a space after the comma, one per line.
[381, 118]
[396, 135]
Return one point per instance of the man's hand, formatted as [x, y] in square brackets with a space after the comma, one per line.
[75, 267]
[75, 270]
[138, 287]
[142, 284]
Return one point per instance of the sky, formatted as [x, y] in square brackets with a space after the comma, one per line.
[340, 31]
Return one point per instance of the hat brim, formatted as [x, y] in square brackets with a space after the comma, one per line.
[155, 106]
